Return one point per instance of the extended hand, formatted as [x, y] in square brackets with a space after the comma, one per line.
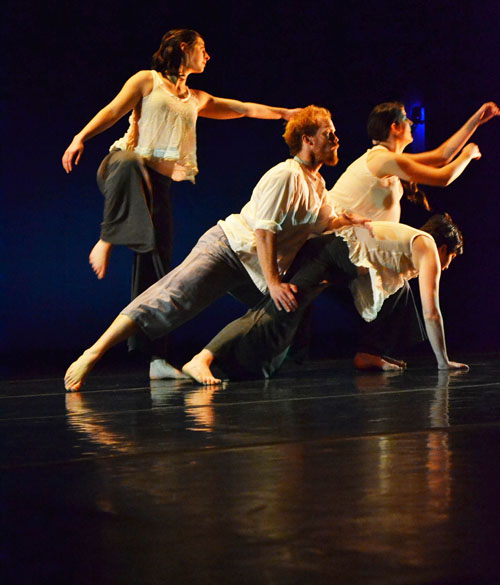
[355, 219]
[75, 149]
[283, 296]
[472, 150]
[488, 111]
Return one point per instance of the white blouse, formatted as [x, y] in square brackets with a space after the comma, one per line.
[360, 191]
[388, 257]
[290, 201]
[166, 132]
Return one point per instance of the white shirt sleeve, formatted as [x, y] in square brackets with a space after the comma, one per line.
[274, 195]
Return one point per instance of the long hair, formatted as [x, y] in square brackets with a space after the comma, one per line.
[415, 194]
[169, 57]
[305, 123]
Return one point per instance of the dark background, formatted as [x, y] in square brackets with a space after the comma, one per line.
[66, 60]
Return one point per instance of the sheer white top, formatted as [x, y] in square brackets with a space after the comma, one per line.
[166, 132]
[388, 257]
[360, 191]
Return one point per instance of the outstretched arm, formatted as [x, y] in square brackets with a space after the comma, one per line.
[135, 88]
[447, 151]
[404, 166]
[282, 293]
[426, 260]
[226, 109]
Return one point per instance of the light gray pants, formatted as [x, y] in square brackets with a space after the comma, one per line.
[210, 271]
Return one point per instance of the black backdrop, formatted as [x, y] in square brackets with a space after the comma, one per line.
[65, 60]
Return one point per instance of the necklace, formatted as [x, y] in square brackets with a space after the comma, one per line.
[308, 168]
[173, 80]
[303, 162]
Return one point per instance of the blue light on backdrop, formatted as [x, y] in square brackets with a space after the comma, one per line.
[417, 116]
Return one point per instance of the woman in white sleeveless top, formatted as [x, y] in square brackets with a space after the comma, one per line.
[159, 147]
[372, 186]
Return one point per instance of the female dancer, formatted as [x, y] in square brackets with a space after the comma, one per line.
[372, 184]
[159, 147]
[372, 187]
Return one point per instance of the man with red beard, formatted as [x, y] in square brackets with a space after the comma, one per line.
[246, 254]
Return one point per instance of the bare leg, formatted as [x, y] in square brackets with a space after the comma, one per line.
[99, 258]
[369, 361]
[160, 369]
[199, 368]
[121, 328]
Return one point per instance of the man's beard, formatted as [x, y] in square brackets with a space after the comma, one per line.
[333, 159]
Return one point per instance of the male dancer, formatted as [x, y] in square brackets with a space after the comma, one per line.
[247, 252]
[378, 265]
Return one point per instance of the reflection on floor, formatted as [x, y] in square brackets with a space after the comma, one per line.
[320, 476]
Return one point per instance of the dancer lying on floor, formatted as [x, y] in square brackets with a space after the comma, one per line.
[375, 268]
[246, 254]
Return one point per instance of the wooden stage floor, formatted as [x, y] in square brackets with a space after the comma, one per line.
[320, 476]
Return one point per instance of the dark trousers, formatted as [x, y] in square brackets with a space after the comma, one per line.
[138, 214]
[397, 327]
[257, 343]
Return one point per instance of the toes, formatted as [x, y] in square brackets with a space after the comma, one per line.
[72, 385]
[388, 367]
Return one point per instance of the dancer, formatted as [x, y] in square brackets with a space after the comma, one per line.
[372, 187]
[247, 253]
[377, 265]
[159, 147]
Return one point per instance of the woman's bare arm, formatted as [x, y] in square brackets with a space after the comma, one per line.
[386, 163]
[225, 109]
[134, 89]
[447, 151]
[426, 260]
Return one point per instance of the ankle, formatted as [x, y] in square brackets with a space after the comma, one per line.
[92, 354]
[205, 356]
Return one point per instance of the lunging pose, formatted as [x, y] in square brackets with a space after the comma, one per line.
[377, 265]
[248, 253]
[159, 147]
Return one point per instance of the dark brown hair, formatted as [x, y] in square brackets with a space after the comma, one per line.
[378, 127]
[381, 118]
[169, 56]
[444, 231]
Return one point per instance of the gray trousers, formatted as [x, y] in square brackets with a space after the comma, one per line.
[209, 271]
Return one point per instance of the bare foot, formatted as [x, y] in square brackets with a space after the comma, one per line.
[79, 370]
[99, 258]
[199, 368]
[160, 369]
[392, 360]
[368, 361]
